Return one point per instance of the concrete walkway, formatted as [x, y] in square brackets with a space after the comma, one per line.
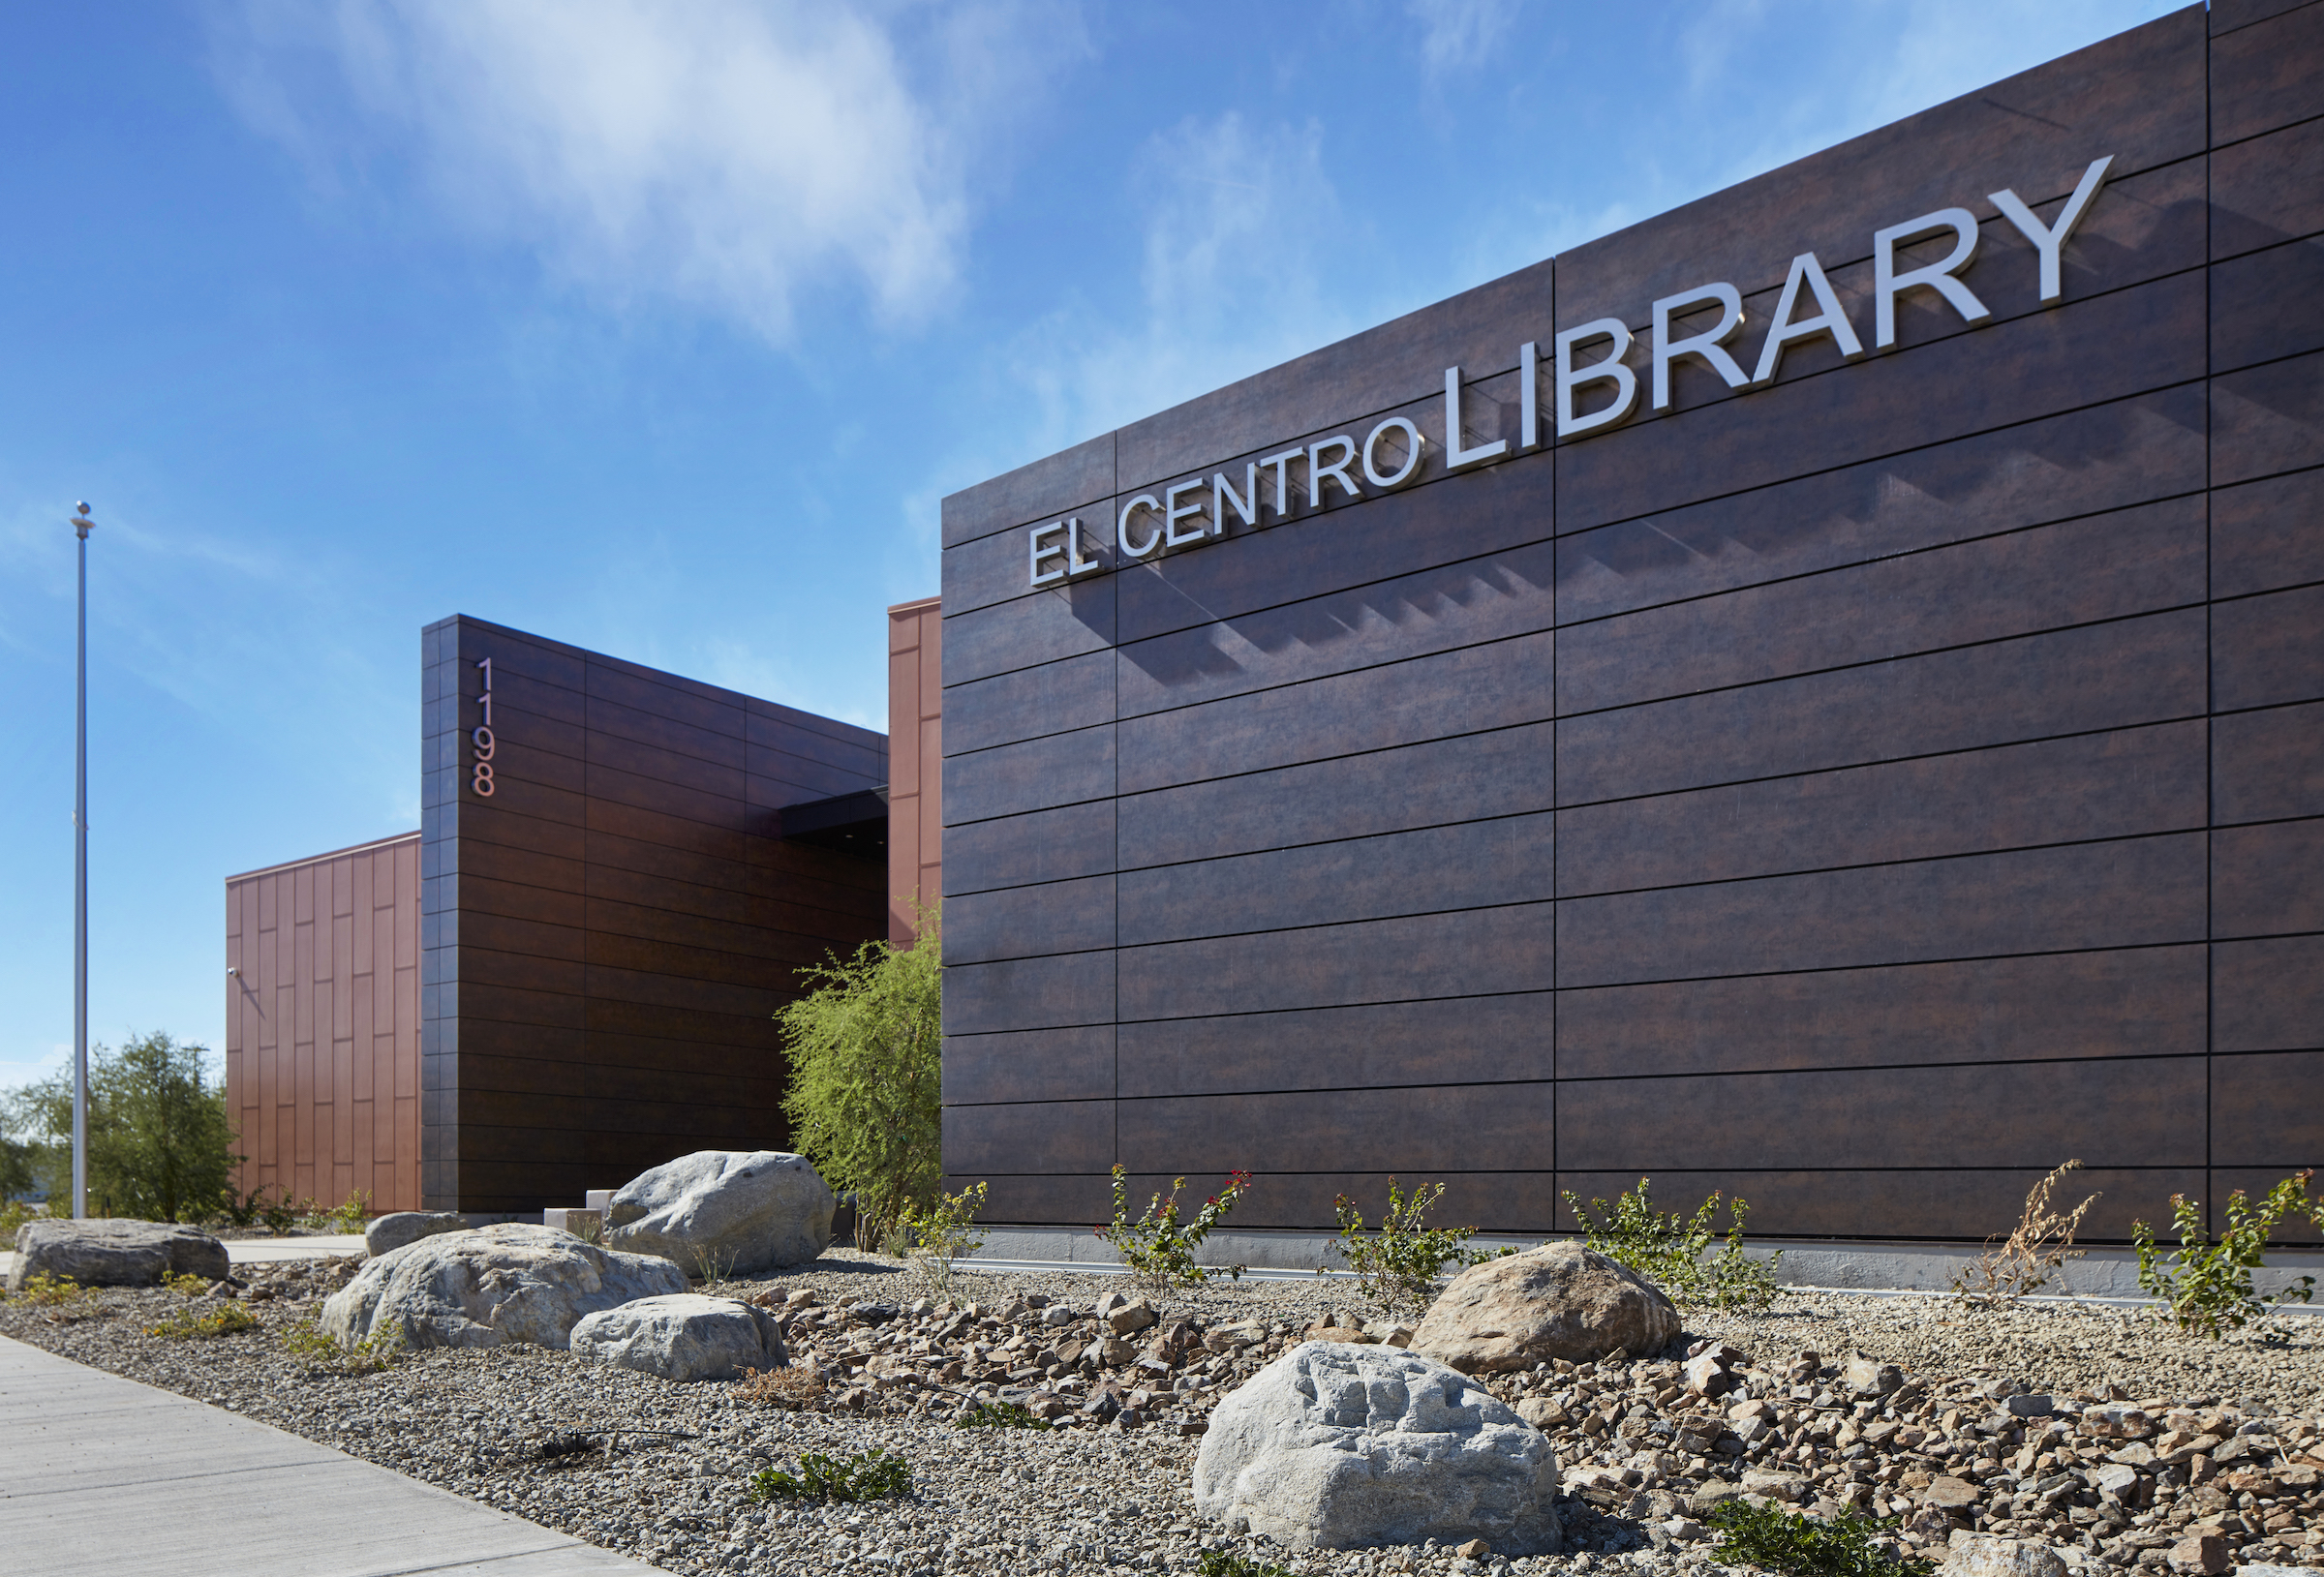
[102, 1476]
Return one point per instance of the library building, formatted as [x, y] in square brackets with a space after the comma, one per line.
[1817, 695]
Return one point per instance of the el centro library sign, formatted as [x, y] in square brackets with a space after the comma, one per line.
[1190, 513]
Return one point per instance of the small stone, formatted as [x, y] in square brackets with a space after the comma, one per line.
[1474, 1549]
[2201, 1555]
[1950, 1494]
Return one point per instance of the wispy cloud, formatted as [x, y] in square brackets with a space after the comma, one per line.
[735, 158]
[1234, 216]
[1459, 35]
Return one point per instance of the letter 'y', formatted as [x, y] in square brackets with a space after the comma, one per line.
[2050, 241]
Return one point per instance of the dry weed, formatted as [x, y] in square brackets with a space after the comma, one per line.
[794, 1388]
[2022, 1264]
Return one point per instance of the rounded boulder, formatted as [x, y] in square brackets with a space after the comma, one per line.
[720, 1213]
[495, 1285]
[114, 1253]
[1560, 1300]
[1336, 1445]
[683, 1336]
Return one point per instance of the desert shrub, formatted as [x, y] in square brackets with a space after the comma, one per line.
[185, 1284]
[1158, 1247]
[1670, 1250]
[1799, 1545]
[2207, 1286]
[864, 1048]
[866, 1476]
[944, 1232]
[222, 1320]
[161, 1145]
[308, 1341]
[1000, 1415]
[1229, 1563]
[1397, 1268]
[793, 1388]
[14, 1214]
[56, 1294]
[2043, 1241]
[346, 1216]
[283, 1213]
[17, 1174]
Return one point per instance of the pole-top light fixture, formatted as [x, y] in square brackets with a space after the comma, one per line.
[81, 523]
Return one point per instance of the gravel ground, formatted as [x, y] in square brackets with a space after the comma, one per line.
[664, 1470]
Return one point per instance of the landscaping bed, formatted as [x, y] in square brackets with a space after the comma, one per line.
[663, 1471]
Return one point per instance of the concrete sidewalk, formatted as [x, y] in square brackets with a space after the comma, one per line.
[106, 1475]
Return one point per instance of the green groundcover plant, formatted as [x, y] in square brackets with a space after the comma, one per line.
[1799, 1545]
[866, 1476]
[866, 1079]
[2207, 1286]
[1670, 1251]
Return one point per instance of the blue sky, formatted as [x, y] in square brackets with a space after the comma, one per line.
[662, 328]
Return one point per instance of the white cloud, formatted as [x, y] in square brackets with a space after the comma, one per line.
[733, 157]
[1233, 215]
[1459, 34]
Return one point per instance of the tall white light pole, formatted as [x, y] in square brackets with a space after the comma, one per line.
[82, 527]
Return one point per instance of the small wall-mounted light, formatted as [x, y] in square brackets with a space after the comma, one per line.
[232, 970]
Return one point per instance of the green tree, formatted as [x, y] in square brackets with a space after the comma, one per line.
[161, 1145]
[864, 1049]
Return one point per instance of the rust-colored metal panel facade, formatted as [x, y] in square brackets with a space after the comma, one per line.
[915, 762]
[1862, 789]
[612, 913]
[322, 1024]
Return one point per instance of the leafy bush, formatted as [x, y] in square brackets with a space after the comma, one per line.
[222, 1320]
[1157, 1248]
[12, 1215]
[943, 1232]
[2207, 1285]
[866, 1077]
[346, 1216]
[2043, 1240]
[1397, 1268]
[866, 1476]
[1227, 1564]
[1799, 1545]
[1002, 1415]
[1669, 1250]
[282, 1215]
[185, 1284]
[161, 1145]
[368, 1356]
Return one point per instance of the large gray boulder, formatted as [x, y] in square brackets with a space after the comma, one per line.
[1558, 1301]
[1338, 1445]
[724, 1212]
[683, 1336]
[391, 1232]
[510, 1282]
[114, 1253]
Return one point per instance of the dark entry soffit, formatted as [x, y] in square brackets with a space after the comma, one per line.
[853, 823]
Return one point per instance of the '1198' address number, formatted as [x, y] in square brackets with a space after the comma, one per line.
[481, 737]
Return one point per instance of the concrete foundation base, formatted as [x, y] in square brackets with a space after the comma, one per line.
[2110, 1273]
